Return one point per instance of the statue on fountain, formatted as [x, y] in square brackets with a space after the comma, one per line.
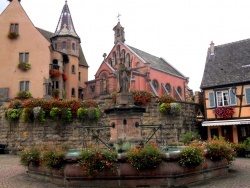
[123, 78]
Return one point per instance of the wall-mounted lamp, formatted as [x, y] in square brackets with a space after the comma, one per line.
[234, 89]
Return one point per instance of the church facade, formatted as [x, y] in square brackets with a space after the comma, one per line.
[40, 62]
[145, 72]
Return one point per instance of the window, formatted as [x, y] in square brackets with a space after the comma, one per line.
[73, 92]
[179, 90]
[73, 69]
[247, 95]
[24, 86]
[222, 98]
[118, 50]
[73, 46]
[79, 76]
[118, 32]
[123, 56]
[114, 58]
[168, 87]
[104, 86]
[127, 62]
[155, 84]
[23, 57]
[55, 46]
[64, 45]
[14, 28]
[92, 89]
[110, 62]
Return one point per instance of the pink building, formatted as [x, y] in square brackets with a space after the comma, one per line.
[147, 72]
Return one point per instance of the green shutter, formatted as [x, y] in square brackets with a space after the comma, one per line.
[211, 99]
[247, 95]
[233, 100]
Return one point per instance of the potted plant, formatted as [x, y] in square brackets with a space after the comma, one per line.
[93, 113]
[95, 160]
[141, 97]
[146, 157]
[13, 114]
[224, 111]
[192, 156]
[13, 35]
[55, 113]
[56, 93]
[30, 155]
[24, 95]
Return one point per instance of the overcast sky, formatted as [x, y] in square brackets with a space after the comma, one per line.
[180, 31]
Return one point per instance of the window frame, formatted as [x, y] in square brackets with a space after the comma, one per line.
[14, 28]
[24, 85]
[23, 57]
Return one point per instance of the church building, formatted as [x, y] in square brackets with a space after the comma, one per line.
[39, 62]
[145, 71]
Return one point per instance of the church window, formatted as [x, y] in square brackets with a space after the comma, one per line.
[73, 46]
[168, 87]
[104, 86]
[23, 57]
[155, 84]
[64, 45]
[179, 90]
[55, 46]
[24, 86]
[73, 92]
[92, 89]
[79, 76]
[73, 69]
[127, 62]
[118, 32]
[110, 62]
[114, 58]
[118, 50]
[14, 28]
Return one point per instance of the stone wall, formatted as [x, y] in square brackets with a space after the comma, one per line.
[17, 135]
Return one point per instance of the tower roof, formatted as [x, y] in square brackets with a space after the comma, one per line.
[65, 25]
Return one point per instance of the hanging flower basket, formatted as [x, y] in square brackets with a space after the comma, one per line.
[13, 35]
[224, 112]
[65, 77]
[55, 73]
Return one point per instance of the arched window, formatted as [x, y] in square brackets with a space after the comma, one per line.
[55, 64]
[114, 58]
[73, 92]
[55, 46]
[110, 62]
[179, 90]
[118, 50]
[73, 46]
[127, 61]
[64, 45]
[168, 87]
[73, 69]
[123, 56]
[118, 32]
[155, 84]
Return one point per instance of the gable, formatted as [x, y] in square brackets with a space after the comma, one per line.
[104, 67]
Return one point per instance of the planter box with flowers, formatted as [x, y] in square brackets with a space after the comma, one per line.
[65, 77]
[13, 35]
[55, 73]
[224, 111]
[24, 66]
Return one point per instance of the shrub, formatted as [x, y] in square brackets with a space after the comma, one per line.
[55, 113]
[66, 114]
[30, 155]
[146, 157]
[95, 160]
[53, 157]
[189, 137]
[192, 156]
[219, 149]
[239, 148]
[247, 143]
[82, 113]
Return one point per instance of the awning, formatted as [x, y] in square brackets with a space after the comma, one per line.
[226, 122]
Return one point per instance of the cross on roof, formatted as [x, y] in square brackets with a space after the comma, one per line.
[118, 16]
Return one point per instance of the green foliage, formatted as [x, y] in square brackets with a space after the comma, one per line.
[55, 113]
[247, 143]
[95, 160]
[146, 157]
[27, 115]
[24, 66]
[192, 156]
[24, 95]
[53, 157]
[66, 115]
[164, 108]
[82, 113]
[219, 149]
[93, 113]
[175, 108]
[13, 114]
[189, 137]
[239, 148]
[30, 155]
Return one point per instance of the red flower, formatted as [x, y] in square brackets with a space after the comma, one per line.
[224, 112]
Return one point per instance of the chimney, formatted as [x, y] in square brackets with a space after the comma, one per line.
[211, 48]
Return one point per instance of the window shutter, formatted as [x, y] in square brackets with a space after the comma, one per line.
[247, 94]
[211, 99]
[233, 100]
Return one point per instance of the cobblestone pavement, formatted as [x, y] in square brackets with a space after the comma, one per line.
[13, 175]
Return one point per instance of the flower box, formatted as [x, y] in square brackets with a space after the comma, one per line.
[224, 111]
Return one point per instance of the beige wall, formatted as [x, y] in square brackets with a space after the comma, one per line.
[30, 40]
